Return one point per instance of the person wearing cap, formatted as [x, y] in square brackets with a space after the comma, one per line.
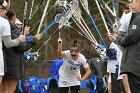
[69, 72]
[3, 8]
[5, 36]
[15, 70]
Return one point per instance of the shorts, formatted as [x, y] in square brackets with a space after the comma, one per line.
[134, 83]
[14, 70]
[1, 68]
[115, 84]
[109, 78]
[74, 89]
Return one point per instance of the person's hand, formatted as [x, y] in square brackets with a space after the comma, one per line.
[38, 36]
[26, 30]
[112, 37]
[59, 41]
[79, 78]
[22, 38]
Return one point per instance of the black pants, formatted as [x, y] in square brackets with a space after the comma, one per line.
[115, 84]
[74, 89]
[134, 83]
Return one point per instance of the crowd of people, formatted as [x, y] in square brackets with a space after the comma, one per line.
[123, 69]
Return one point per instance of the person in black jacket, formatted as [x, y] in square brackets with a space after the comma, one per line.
[14, 56]
[131, 52]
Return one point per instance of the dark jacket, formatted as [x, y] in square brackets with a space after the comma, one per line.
[131, 51]
[14, 56]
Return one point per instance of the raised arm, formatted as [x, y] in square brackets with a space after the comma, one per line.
[59, 50]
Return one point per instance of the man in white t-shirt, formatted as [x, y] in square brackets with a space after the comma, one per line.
[69, 72]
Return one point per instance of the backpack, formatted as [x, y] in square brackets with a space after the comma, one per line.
[35, 85]
[52, 83]
[55, 66]
[96, 66]
[95, 85]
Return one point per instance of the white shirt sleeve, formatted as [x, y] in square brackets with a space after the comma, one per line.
[66, 53]
[123, 26]
[84, 62]
[6, 28]
[125, 20]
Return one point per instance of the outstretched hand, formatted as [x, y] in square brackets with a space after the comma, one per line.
[22, 38]
[26, 30]
[112, 37]
[38, 36]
